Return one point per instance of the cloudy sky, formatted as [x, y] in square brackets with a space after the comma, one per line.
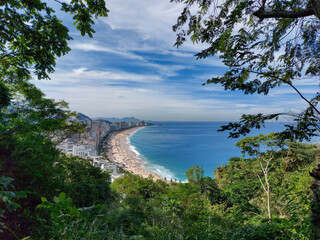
[131, 68]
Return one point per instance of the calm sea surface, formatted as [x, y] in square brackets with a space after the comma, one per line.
[172, 148]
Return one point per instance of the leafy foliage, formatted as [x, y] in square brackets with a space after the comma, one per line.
[195, 174]
[230, 206]
[84, 183]
[264, 44]
[8, 199]
[32, 35]
[62, 214]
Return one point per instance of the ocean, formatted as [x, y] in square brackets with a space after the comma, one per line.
[171, 148]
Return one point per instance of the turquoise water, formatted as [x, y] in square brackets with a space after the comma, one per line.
[172, 148]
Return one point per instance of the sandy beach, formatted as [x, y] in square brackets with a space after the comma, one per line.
[118, 151]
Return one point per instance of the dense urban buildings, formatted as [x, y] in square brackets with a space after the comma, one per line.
[89, 143]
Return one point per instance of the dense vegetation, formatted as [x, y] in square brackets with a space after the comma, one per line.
[80, 203]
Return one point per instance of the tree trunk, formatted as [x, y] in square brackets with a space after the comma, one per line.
[268, 192]
[315, 203]
[268, 195]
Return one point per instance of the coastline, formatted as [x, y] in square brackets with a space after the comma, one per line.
[119, 151]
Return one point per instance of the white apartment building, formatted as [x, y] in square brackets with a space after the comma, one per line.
[84, 151]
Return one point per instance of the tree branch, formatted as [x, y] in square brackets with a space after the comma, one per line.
[294, 88]
[264, 188]
[256, 214]
[58, 1]
[284, 14]
[300, 94]
[262, 168]
[268, 162]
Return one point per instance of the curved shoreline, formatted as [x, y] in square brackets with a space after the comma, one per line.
[119, 151]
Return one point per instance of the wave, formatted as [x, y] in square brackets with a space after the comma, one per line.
[150, 167]
[158, 169]
[133, 149]
[134, 132]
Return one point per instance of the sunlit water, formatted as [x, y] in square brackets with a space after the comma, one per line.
[171, 148]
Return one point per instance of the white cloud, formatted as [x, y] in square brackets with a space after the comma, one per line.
[83, 77]
[303, 89]
[95, 46]
[159, 102]
[111, 77]
[306, 81]
[146, 104]
[163, 69]
[152, 18]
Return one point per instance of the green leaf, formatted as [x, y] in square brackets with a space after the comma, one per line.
[55, 214]
[74, 211]
[62, 196]
[56, 199]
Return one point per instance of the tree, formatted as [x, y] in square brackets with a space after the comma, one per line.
[32, 35]
[27, 152]
[264, 44]
[84, 183]
[31, 38]
[264, 148]
[195, 175]
[238, 183]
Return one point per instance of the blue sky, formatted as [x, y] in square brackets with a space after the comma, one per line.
[131, 68]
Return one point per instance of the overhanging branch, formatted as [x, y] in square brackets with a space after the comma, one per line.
[294, 88]
[284, 14]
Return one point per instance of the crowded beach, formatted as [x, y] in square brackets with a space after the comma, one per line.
[119, 151]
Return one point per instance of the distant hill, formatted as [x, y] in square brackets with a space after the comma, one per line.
[84, 118]
[125, 119]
